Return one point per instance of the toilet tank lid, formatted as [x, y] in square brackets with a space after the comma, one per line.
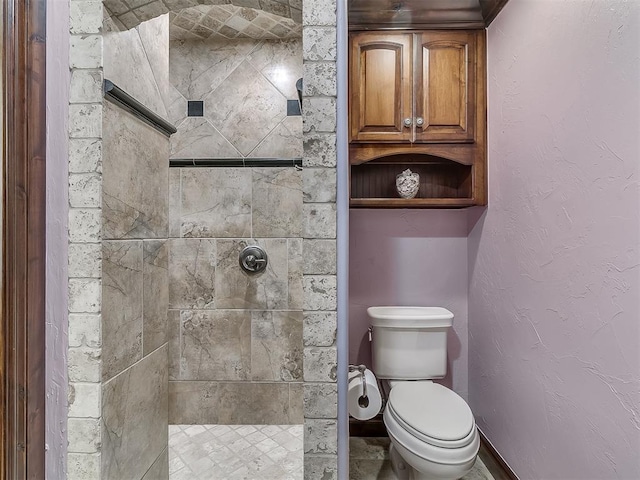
[410, 317]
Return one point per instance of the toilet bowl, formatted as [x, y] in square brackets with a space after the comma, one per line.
[432, 430]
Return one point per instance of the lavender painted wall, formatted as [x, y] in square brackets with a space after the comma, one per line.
[554, 268]
[56, 231]
[409, 257]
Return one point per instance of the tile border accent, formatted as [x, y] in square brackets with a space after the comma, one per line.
[119, 97]
[236, 162]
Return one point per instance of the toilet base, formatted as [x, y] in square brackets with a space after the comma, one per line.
[427, 470]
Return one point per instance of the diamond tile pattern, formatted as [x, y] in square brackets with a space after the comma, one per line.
[233, 452]
[228, 21]
[191, 19]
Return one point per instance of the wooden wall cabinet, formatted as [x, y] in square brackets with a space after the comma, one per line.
[418, 98]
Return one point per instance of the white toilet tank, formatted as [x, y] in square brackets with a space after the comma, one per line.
[409, 343]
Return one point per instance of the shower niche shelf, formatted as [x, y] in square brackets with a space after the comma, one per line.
[443, 183]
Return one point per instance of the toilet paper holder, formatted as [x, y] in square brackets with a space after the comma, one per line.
[363, 400]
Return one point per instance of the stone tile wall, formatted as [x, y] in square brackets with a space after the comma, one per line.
[245, 85]
[319, 243]
[85, 234]
[235, 339]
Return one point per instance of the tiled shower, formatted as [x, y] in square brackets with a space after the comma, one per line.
[227, 345]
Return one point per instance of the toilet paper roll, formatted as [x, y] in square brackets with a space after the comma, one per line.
[355, 392]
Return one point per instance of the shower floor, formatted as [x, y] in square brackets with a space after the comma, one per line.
[233, 452]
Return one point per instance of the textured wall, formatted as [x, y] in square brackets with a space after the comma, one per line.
[409, 257]
[245, 85]
[57, 204]
[235, 339]
[554, 266]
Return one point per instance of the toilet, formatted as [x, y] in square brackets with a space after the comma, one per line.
[432, 430]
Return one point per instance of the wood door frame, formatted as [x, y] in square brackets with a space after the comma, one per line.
[22, 314]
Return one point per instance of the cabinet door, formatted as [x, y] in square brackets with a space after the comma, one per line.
[445, 86]
[380, 87]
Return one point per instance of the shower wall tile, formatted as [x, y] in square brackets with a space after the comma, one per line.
[85, 225]
[137, 397]
[296, 411]
[122, 294]
[321, 400]
[319, 43]
[85, 190]
[320, 364]
[160, 468]
[237, 289]
[126, 64]
[86, 86]
[80, 466]
[215, 345]
[173, 334]
[320, 292]
[296, 262]
[319, 185]
[323, 110]
[155, 294]
[320, 79]
[192, 273]
[276, 346]
[85, 17]
[319, 149]
[320, 436]
[84, 435]
[319, 220]
[85, 260]
[244, 84]
[174, 202]
[281, 63]
[85, 155]
[215, 202]
[245, 108]
[277, 202]
[320, 12]
[135, 175]
[85, 120]
[197, 138]
[234, 403]
[195, 78]
[320, 329]
[320, 257]
[284, 141]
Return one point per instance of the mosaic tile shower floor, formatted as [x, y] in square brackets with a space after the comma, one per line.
[234, 452]
[269, 452]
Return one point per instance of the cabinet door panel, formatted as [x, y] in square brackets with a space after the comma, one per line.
[445, 87]
[380, 87]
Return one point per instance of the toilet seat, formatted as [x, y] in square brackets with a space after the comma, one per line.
[431, 413]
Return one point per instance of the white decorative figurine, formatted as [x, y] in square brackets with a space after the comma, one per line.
[407, 184]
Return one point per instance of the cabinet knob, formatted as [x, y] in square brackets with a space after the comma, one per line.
[420, 121]
[407, 122]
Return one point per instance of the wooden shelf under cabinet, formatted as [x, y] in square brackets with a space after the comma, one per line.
[443, 183]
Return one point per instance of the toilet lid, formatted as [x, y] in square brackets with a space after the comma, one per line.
[431, 410]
